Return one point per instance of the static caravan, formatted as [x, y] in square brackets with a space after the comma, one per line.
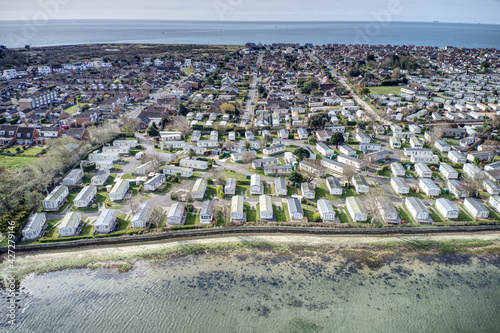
[141, 216]
[119, 190]
[295, 209]
[399, 185]
[491, 187]
[326, 211]
[418, 210]
[442, 146]
[355, 208]
[370, 146]
[280, 186]
[121, 150]
[70, 224]
[360, 184]
[456, 157]
[274, 150]
[176, 214]
[324, 149]
[199, 188]
[312, 167]
[100, 177]
[397, 169]
[230, 187]
[173, 170]
[208, 143]
[266, 208]
[395, 142]
[476, 208]
[429, 187]
[34, 227]
[446, 208]
[388, 212]
[193, 164]
[85, 197]
[125, 143]
[55, 199]
[457, 189]
[472, 171]
[74, 177]
[145, 168]
[94, 157]
[155, 183]
[332, 165]
[416, 143]
[308, 190]
[448, 171]
[494, 201]
[106, 221]
[334, 187]
[256, 185]
[260, 163]
[207, 212]
[278, 170]
[349, 160]
[237, 210]
[423, 170]
[347, 150]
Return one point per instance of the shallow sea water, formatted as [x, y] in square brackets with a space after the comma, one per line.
[268, 293]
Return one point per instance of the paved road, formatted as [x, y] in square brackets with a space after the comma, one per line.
[251, 96]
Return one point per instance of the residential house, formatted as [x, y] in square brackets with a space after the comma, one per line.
[360, 184]
[106, 222]
[399, 185]
[476, 208]
[423, 170]
[207, 212]
[447, 209]
[280, 186]
[237, 210]
[295, 209]
[85, 197]
[429, 187]
[199, 188]
[326, 211]
[35, 226]
[266, 208]
[74, 177]
[334, 187]
[177, 214]
[70, 224]
[356, 209]
[230, 187]
[55, 199]
[155, 183]
[119, 190]
[100, 177]
[141, 216]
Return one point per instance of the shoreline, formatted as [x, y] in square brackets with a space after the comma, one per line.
[369, 249]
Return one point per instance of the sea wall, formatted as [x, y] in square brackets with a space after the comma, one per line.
[210, 232]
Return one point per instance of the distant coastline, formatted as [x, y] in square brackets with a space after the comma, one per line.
[75, 32]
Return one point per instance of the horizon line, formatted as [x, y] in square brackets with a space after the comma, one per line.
[247, 21]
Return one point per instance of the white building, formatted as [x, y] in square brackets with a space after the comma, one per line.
[472, 171]
[295, 209]
[199, 188]
[34, 226]
[141, 216]
[429, 187]
[395, 142]
[155, 183]
[230, 186]
[274, 150]
[70, 224]
[491, 187]
[74, 177]
[237, 210]
[448, 171]
[446, 208]
[397, 169]
[476, 208]
[418, 210]
[494, 201]
[456, 157]
[399, 185]
[334, 187]
[56, 198]
[326, 211]
[355, 208]
[266, 208]
[173, 170]
[85, 197]
[119, 190]
[193, 164]
[280, 187]
[207, 212]
[324, 149]
[360, 184]
[106, 221]
[423, 170]
[256, 185]
[176, 214]
[100, 177]
[308, 190]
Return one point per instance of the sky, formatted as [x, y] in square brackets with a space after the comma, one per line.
[463, 11]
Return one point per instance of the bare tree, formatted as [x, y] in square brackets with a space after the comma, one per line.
[311, 173]
[129, 125]
[102, 134]
[219, 178]
[181, 124]
[135, 201]
[349, 171]
[495, 121]
[248, 157]
[375, 198]
[436, 133]
[220, 128]
[474, 184]
[157, 159]
[247, 145]
[156, 216]
[229, 145]
[490, 146]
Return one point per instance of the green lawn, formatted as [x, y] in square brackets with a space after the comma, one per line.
[30, 152]
[285, 210]
[251, 213]
[464, 216]
[405, 215]
[15, 163]
[234, 174]
[435, 216]
[52, 231]
[309, 212]
[280, 214]
[72, 109]
[192, 219]
[384, 90]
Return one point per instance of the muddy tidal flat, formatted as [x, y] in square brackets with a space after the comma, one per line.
[265, 284]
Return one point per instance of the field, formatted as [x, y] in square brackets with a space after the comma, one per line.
[384, 90]
[15, 163]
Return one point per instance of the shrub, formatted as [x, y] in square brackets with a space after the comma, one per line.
[317, 217]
